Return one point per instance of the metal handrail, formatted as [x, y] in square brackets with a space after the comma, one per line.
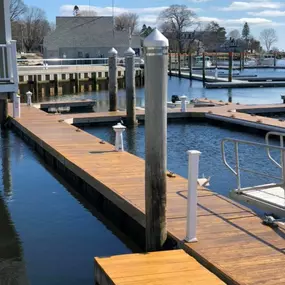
[238, 169]
[267, 140]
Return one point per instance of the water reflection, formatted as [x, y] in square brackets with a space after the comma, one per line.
[12, 266]
[230, 95]
[6, 167]
[46, 236]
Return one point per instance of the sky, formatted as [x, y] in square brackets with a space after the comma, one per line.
[259, 14]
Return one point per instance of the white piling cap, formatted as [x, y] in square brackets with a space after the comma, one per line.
[29, 93]
[129, 52]
[112, 51]
[119, 126]
[183, 97]
[156, 39]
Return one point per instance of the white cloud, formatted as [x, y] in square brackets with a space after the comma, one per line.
[268, 13]
[243, 6]
[199, 1]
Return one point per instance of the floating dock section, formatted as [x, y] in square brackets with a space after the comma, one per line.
[232, 241]
[163, 268]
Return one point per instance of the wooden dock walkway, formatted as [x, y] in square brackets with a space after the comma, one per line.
[161, 268]
[232, 242]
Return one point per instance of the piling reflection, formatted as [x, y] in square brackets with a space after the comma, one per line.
[131, 138]
[230, 95]
[12, 266]
[6, 163]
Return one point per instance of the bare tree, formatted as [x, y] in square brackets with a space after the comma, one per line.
[36, 27]
[126, 21]
[175, 20]
[234, 34]
[268, 37]
[17, 9]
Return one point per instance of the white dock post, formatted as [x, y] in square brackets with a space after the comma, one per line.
[16, 106]
[193, 170]
[156, 79]
[119, 143]
[113, 79]
[29, 98]
[183, 103]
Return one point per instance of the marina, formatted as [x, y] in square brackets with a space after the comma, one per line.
[140, 156]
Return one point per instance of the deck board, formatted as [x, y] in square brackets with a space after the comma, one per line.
[168, 267]
[232, 242]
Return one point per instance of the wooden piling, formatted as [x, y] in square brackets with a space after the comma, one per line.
[230, 66]
[156, 49]
[169, 64]
[55, 84]
[240, 61]
[204, 69]
[77, 75]
[179, 64]
[36, 86]
[190, 65]
[94, 81]
[113, 80]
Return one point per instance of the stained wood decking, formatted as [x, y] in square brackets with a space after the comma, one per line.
[161, 268]
[232, 241]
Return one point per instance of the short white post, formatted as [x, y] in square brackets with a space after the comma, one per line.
[216, 73]
[119, 143]
[16, 106]
[193, 170]
[29, 98]
[183, 103]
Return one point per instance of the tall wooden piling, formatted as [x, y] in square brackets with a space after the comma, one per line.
[36, 86]
[275, 59]
[179, 64]
[113, 80]
[130, 86]
[190, 65]
[77, 82]
[169, 64]
[230, 66]
[55, 84]
[94, 81]
[240, 61]
[204, 68]
[156, 50]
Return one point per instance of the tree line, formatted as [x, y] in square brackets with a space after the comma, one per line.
[29, 26]
[178, 23]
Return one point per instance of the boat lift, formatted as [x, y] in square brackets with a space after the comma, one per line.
[269, 198]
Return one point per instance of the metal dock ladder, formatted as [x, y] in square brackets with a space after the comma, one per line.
[269, 198]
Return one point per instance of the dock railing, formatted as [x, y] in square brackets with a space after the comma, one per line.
[237, 169]
[8, 64]
[59, 62]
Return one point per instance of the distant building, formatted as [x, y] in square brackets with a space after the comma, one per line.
[87, 37]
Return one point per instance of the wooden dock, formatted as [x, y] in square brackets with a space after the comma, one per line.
[163, 268]
[72, 105]
[232, 241]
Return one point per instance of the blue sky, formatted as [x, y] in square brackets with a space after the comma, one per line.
[259, 14]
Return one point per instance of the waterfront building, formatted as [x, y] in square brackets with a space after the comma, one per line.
[87, 37]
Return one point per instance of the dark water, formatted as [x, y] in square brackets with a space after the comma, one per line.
[193, 89]
[207, 139]
[48, 235]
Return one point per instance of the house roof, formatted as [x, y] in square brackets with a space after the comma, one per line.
[87, 32]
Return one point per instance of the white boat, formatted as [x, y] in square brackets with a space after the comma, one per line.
[250, 62]
[199, 61]
[267, 59]
[175, 102]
